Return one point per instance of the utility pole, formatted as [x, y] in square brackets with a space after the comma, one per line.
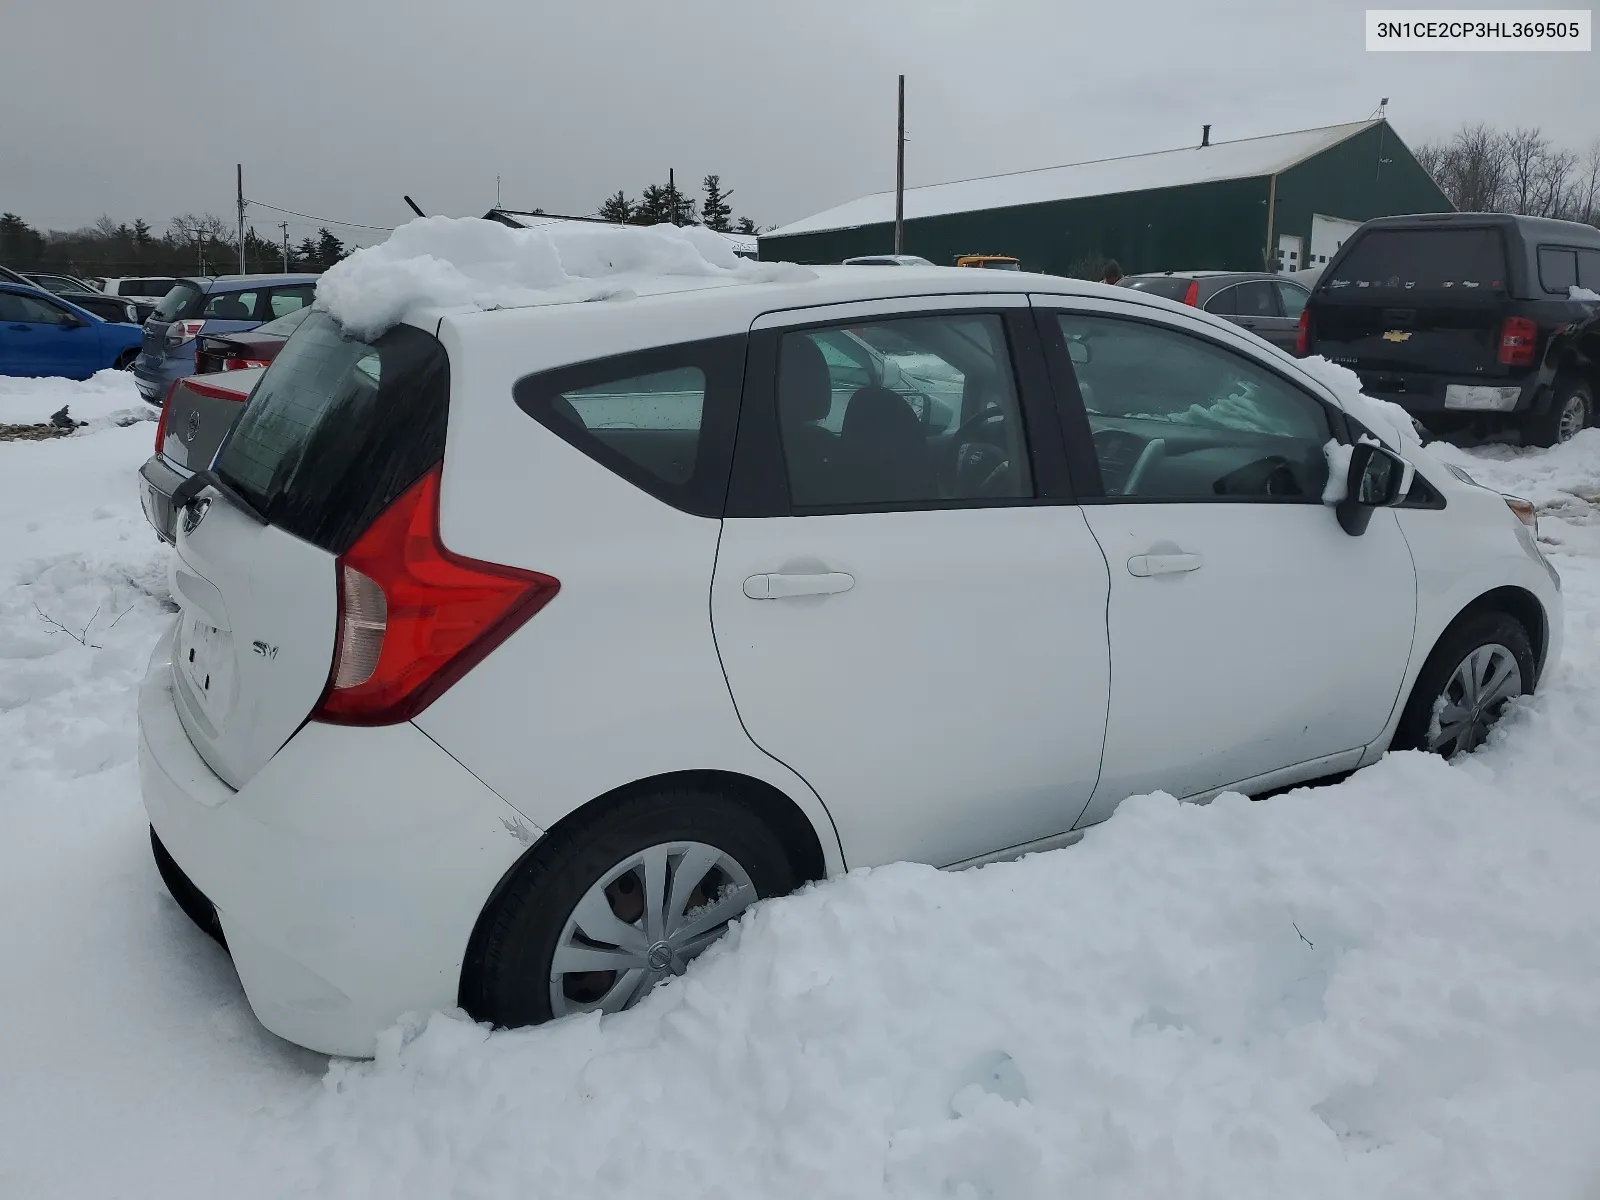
[239, 180]
[497, 192]
[284, 225]
[672, 195]
[900, 176]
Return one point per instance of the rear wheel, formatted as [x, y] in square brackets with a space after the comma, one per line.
[598, 914]
[1570, 411]
[1482, 663]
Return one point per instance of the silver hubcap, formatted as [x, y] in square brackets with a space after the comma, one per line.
[644, 919]
[1573, 415]
[1477, 693]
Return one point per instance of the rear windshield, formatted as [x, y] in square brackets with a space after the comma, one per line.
[175, 301]
[1002, 266]
[1423, 259]
[284, 325]
[337, 428]
[1160, 285]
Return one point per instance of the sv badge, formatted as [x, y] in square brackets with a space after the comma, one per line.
[265, 651]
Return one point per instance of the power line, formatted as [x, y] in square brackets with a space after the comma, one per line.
[322, 220]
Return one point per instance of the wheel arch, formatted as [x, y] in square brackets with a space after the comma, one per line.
[801, 842]
[1515, 602]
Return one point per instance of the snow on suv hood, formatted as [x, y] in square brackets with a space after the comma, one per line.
[445, 262]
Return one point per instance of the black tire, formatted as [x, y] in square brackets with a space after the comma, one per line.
[1571, 410]
[506, 978]
[190, 898]
[1469, 633]
[125, 360]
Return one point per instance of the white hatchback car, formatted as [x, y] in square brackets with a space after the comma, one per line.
[519, 651]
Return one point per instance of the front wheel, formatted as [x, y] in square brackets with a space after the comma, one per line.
[1480, 665]
[598, 914]
[125, 360]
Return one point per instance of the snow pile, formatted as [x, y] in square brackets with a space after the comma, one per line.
[107, 397]
[1379, 988]
[450, 261]
[1574, 292]
[1386, 419]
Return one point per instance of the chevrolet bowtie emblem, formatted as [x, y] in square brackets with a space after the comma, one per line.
[1397, 335]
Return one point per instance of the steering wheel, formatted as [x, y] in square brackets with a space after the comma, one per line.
[980, 463]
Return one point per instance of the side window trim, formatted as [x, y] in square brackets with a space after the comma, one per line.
[1074, 415]
[721, 360]
[1231, 292]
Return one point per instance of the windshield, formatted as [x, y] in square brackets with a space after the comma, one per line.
[175, 301]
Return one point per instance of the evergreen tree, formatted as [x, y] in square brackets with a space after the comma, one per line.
[21, 245]
[141, 233]
[617, 208]
[329, 248]
[714, 209]
[655, 207]
[745, 225]
[305, 256]
[681, 208]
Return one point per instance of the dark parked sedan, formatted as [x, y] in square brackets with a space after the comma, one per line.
[247, 348]
[1267, 305]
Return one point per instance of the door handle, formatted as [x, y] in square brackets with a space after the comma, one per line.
[1144, 565]
[779, 586]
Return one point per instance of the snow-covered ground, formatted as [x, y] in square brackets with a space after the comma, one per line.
[1384, 988]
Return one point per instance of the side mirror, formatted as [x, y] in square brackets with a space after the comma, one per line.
[894, 377]
[1378, 478]
[1079, 353]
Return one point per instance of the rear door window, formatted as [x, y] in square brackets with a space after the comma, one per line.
[1558, 269]
[1224, 303]
[337, 428]
[283, 301]
[662, 419]
[1422, 259]
[1293, 298]
[232, 306]
[1256, 299]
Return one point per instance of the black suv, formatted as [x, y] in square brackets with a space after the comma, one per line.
[1468, 320]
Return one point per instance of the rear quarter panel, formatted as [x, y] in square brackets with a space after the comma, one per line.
[617, 679]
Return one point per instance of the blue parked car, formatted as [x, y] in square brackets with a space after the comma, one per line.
[204, 306]
[41, 334]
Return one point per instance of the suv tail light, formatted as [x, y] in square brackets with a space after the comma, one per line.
[1302, 339]
[414, 617]
[1192, 296]
[180, 332]
[1518, 339]
[166, 411]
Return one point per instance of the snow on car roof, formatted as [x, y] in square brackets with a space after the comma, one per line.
[449, 262]
[742, 243]
[1244, 158]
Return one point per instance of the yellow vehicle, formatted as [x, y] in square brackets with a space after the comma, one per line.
[994, 262]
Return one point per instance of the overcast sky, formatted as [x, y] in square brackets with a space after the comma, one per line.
[338, 108]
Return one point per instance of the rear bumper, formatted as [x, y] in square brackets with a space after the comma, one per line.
[158, 479]
[1426, 393]
[154, 379]
[348, 874]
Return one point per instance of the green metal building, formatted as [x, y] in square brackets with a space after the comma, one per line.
[1287, 200]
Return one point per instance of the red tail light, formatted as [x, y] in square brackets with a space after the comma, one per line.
[241, 364]
[180, 332]
[414, 617]
[166, 409]
[1302, 339]
[1518, 339]
[1192, 296]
